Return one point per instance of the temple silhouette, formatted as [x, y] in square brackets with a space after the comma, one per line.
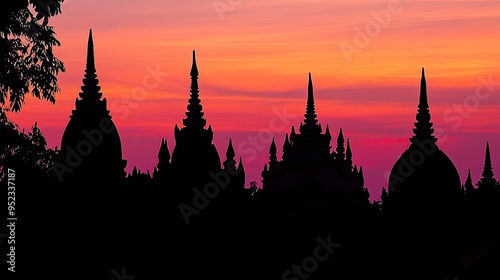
[310, 171]
[423, 167]
[195, 159]
[90, 147]
[195, 217]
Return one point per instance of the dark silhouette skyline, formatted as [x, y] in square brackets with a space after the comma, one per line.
[193, 218]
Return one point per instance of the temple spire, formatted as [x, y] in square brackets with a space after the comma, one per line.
[230, 150]
[361, 176]
[487, 181]
[163, 156]
[310, 110]
[310, 121]
[229, 153]
[194, 114]
[423, 126]
[469, 186]
[488, 169]
[273, 152]
[240, 166]
[340, 146]
[90, 88]
[194, 68]
[348, 154]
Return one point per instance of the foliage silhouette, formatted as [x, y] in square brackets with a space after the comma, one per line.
[26, 52]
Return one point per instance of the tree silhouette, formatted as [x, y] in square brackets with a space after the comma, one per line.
[23, 150]
[29, 64]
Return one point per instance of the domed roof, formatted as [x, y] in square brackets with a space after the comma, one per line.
[423, 171]
[419, 174]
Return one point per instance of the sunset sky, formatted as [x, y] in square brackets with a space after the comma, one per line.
[254, 57]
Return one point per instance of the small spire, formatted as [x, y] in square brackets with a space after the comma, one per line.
[469, 186]
[265, 167]
[348, 154]
[240, 166]
[488, 169]
[327, 131]
[230, 151]
[340, 146]
[273, 152]
[423, 127]
[90, 88]
[163, 154]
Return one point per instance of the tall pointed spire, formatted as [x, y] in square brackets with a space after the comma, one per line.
[310, 110]
[194, 68]
[164, 153]
[230, 150]
[163, 156]
[348, 154]
[194, 114]
[240, 167]
[423, 126]
[90, 88]
[310, 121]
[487, 181]
[240, 163]
[340, 146]
[488, 169]
[469, 186]
[273, 152]
[229, 155]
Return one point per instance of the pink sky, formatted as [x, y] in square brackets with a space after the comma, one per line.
[254, 59]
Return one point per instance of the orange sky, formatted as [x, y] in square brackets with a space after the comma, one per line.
[254, 59]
